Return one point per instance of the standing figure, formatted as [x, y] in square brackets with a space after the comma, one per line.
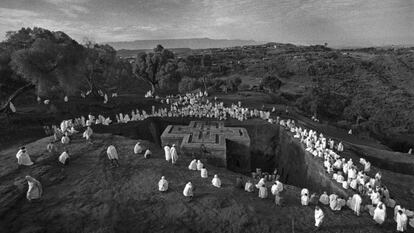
[112, 155]
[319, 216]
[167, 151]
[163, 184]
[63, 158]
[174, 155]
[35, 190]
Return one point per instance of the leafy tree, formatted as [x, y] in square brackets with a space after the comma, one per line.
[271, 83]
[152, 67]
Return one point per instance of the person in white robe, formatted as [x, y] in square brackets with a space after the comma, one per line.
[263, 191]
[65, 139]
[200, 165]
[319, 216]
[23, 157]
[333, 202]
[167, 153]
[401, 220]
[304, 199]
[174, 155]
[262, 182]
[63, 158]
[324, 199]
[248, 187]
[204, 173]
[147, 154]
[375, 198]
[72, 130]
[35, 189]
[12, 108]
[216, 182]
[163, 184]
[50, 147]
[138, 148]
[340, 147]
[112, 155]
[66, 99]
[188, 190]
[304, 191]
[105, 98]
[380, 214]
[193, 165]
[88, 133]
[356, 204]
[277, 187]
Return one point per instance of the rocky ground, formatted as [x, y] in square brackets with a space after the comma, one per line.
[89, 196]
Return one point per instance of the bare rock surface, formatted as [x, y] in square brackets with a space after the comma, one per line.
[88, 195]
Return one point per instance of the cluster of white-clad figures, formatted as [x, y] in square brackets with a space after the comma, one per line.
[195, 105]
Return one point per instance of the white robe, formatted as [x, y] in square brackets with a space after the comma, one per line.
[248, 187]
[12, 108]
[261, 183]
[138, 149]
[401, 222]
[379, 214]
[216, 182]
[167, 152]
[112, 153]
[88, 133]
[147, 154]
[304, 200]
[262, 192]
[35, 190]
[188, 190]
[63, 157]
[204, 173]
[193, 165]
[65, 140]
[304, 191]
[200, 165]
[324, 199]
[174, 155]
[356, 203]
[319, 217]
[163, 185]
[23, 158]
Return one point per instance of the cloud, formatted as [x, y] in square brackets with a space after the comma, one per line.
[74, 10]
[225, 21]
[66, 1]
[71, 8]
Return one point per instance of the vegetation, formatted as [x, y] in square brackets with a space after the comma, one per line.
[56, 65]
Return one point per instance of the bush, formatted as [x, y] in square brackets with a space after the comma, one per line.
[244, 87]
[189, 84]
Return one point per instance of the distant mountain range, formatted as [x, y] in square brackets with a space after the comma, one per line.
[192, 43]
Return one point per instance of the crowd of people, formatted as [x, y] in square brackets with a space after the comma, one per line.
[347, 173]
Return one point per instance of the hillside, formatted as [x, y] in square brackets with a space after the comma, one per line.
[80, 199]
[193, 43]
[369, 90]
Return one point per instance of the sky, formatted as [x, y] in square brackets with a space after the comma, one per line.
[337, 22]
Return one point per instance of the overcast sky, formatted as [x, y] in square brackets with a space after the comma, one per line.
[338, 22]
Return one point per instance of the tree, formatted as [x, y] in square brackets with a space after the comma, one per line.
[271, 83]
[152, 67]
[36, 57]
[99, 60]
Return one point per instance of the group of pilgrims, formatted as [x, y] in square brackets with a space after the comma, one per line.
[346, 173]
